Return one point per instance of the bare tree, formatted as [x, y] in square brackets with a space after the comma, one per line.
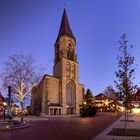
[19, 73]
[125, 73]
[110, 92]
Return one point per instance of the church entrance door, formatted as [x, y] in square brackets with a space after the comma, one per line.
[69, 111]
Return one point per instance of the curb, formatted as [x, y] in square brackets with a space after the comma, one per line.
[8, 128]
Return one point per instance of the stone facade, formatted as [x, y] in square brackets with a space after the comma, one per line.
[61, 93]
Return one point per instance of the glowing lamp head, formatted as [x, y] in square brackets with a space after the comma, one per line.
[85, 103]
[4, 103]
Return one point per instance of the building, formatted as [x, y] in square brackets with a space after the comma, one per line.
[61, 93]
[136, 99]
[104, 103]
[2, 100]
[136, 102]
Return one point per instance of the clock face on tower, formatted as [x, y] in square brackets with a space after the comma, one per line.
[70, 46]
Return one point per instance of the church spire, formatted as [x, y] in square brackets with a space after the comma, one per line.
[65, 27]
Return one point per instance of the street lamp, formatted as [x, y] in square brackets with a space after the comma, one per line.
[9, 106]
[67, 106]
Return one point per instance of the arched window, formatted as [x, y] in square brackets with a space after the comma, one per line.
[70, 94]
[67, 69]
[73, 70]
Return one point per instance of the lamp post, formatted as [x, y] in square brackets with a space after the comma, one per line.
[9, 104]
[67, 109]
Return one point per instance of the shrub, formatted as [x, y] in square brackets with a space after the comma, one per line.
[88, 111]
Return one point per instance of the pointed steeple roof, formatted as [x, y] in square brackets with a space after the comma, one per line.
[65, 27]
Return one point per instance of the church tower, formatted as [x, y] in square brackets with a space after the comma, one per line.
[61, 93]
[66, 67]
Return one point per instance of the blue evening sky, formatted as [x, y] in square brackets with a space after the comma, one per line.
[31, 27]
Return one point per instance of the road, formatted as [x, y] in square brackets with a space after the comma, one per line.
[69, 129]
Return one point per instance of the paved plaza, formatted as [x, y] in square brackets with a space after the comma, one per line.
[119, 124]
[62, 128]
[72, 128]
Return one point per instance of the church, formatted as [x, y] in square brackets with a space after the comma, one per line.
[61, 93]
